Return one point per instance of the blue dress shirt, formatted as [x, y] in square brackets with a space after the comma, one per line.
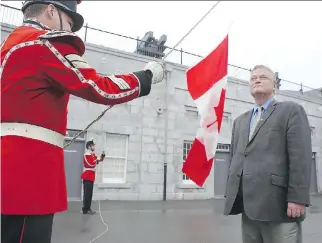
[264, 108]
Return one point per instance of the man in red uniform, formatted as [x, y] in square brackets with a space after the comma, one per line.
[41, 65]
[88, 176]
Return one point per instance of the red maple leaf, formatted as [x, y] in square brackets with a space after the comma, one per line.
[219, 110]
[211, 119]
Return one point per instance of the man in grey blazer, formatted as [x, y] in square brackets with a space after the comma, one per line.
[270, 166]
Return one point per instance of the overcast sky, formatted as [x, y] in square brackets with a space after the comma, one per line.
[286, 36]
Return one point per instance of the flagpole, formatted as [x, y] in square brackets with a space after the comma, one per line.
[165, 163]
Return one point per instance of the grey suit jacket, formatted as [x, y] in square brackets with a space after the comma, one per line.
[274, 165]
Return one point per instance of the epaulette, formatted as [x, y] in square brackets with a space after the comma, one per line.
[65, 36]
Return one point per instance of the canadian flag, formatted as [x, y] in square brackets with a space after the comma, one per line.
[207, 82]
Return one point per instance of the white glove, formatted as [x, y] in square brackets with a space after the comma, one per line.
[157, 69]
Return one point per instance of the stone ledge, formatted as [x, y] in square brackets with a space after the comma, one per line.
[114, 185]
[189, 186]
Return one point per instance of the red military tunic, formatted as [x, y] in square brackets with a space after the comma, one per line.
[90, 162]
[40, 68]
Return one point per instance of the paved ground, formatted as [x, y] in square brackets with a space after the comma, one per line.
[164, 222]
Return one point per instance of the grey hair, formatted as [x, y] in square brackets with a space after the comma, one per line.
[34, 10]
[264, 67]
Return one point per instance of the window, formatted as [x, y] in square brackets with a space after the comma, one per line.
[72, 133]
[191, 111]
[223, 147]
[186, 148]
[226, 118]
[115, 162]
[312, 131]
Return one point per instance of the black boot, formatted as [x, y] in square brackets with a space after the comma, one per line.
[89, 212]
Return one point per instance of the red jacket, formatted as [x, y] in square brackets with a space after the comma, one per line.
[41, 68]
[90, 162]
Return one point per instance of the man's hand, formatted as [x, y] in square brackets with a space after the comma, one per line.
[102, 156]
[157, 70]
[295, 210]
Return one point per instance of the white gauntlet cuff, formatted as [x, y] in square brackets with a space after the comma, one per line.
[157, 69]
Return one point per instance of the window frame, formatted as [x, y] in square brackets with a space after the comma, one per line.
[120, 180]
[82, 137]
[218, 149]
[191, 111]
[184, 176]
[228, 115]
[312, 131]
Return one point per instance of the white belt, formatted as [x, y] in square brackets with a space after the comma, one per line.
[92, 169]
[33, 132]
